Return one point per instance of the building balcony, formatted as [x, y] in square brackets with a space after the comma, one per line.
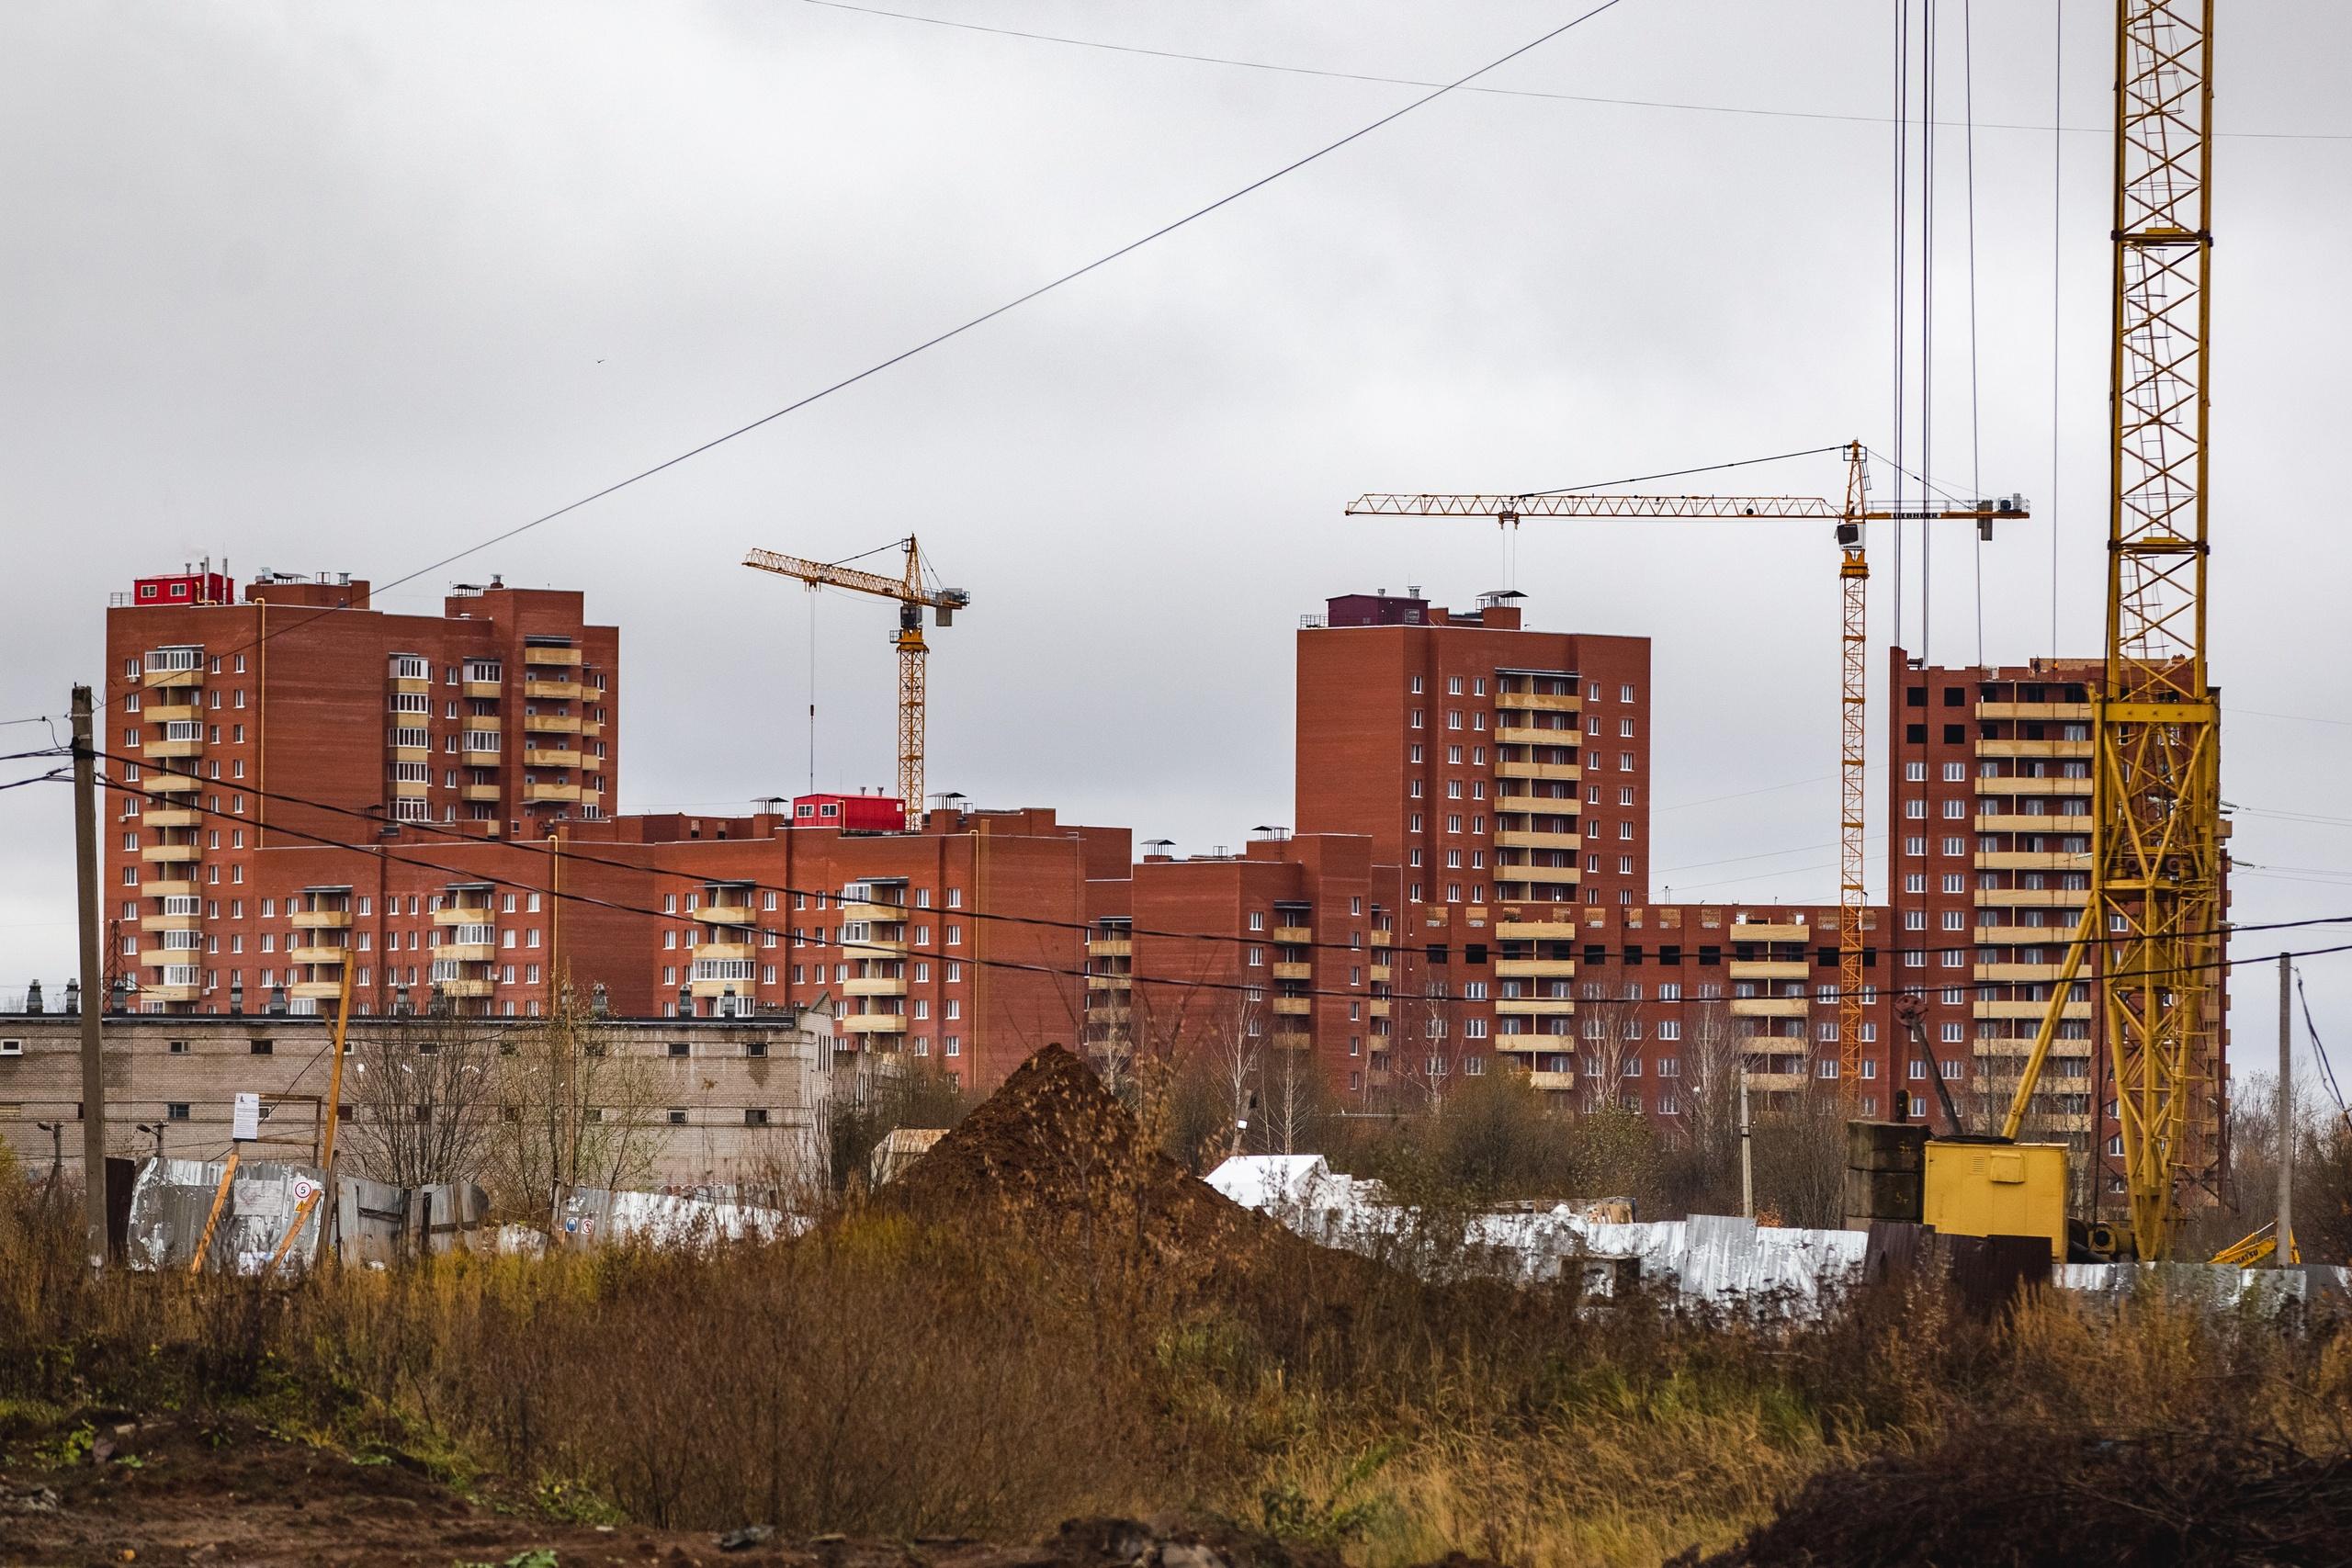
[322, 954]
[478, 792]
[2035, 1010]
[1294, 970]
[538, 654]
[709, 988]
[315, 990]
[2077, 1050]
[1380, 974]
[874, 914]
[168, 749]
[1522, 734]
[1109, 982]
[158, 957]
[735, 949]
[415, 685]
[171, 783]
[2034, 860]
[1294, 1006]
[2020, 974]
[873, 1023]
[875, 947]
[722, 914]
[467, 951]
[482, 688]
[1108, 1014]
[409, 753]
[1384, 939]
[2030, 898]
[168, 678]
[553, 691]
[171, 713]
[533, 757]
[592, 762]
[170, 922]
[2023, 936]
[1523, 838]
[874, 985]
[464, 915]
[1777, 1083]
[1295, 936]
[1121, 948]
[171, 854]
[168, 891]
[168, 993]
[553, 723]
[1536, 968]
[1770, 1006]
[170, 817]
[1769, 931]
[2079, 713]
[2033, 748]
[1535, 931]
[1563, 773]
[534, 794]
[463, 989]
[1376, 1008]
[591, 728]
[1762, 969]
[2031, 788]
[411, 789]
[2010, 824]
[1552, 1082]
[1538, 702]
[1535, 1007]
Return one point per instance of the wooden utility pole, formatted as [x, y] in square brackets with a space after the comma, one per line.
[94, 993]
[2285, 1232]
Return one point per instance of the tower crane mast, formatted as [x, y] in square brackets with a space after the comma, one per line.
[1853, 577]
[912, 598]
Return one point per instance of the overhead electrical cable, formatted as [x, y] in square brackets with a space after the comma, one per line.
[1439, 91]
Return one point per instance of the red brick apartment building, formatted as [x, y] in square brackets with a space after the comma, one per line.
[301, 715]
[1990, 855]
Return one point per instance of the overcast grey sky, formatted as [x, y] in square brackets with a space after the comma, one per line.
[355, 287]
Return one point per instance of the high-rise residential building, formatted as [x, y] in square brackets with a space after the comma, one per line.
[1505, 773]
[299, 716]
[1280, 951]
[1990, 839]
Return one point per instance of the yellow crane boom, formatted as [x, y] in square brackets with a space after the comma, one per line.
[1853, 576]
[2154, 909]
[912, 598]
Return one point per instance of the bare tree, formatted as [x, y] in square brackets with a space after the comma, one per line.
[573, 1112]
[1290, 1097]
[423, 1090]
[1709, 1057]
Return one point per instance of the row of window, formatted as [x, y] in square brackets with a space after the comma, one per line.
[1557, 688]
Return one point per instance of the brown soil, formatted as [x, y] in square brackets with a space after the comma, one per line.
[1052, 1142]
[2024, 1499]
[217, 1493]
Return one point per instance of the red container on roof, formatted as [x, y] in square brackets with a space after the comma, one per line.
[185, 588]
[856, 813]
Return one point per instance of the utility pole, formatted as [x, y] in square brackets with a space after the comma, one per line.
[94, 992]
[2285, 1232]
[1746, 1146]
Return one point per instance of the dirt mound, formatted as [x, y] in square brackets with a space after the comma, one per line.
[2027, 1499]
[187, 1491]
[1053, 1145]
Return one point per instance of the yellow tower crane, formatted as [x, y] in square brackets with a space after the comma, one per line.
[2155, 911]
[913, 597]
[1853, 576]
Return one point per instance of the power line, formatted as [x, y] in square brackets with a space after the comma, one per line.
[1670, 473]
[1440, 90]
[1496, 92]
[937, 949]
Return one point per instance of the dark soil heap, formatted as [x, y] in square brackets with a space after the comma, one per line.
[1053, 1148]
[2031, 1499]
